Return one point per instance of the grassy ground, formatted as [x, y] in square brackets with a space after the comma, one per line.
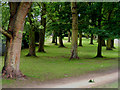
[55, 64]
[110, 85]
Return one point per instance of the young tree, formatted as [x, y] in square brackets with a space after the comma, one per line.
[74, 52]
[18, 12]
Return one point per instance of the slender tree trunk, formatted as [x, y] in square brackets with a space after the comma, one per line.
[53, 37]
[112, 44]
[99, 49]
[69, 36]
[87, 36]
[60, 40]
[80, 38]
[108, 47]
[31, 36]
[31, 43]
[91, 41]
[103, 42]
[42, 31]
[18, 12]
[56, 40]
[74, 52]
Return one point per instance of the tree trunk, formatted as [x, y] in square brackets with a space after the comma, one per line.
[69, 36]
[56, 40]
[87, 36]
[99, 50]
[31, 36]
[53, 37]
[112, 44]
[80, 39]
[108, 47]
[74, 52]
[18, 12]
[103, 42]
[42, 31]
[91, 41]
[60, 40]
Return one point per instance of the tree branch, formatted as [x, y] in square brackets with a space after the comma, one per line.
[5, 33]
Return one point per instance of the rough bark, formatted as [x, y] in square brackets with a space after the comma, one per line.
[42, 31]
[74, 52]
[53, 37]
[91, 40]
[31, 36]
[80, 39]
[18, 12]
[69, 36]
[108, 47]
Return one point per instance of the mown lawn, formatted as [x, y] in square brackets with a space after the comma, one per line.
[55, 64]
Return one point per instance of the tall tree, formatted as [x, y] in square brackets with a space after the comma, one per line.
[99, 48]
[18, 12]
[31, 35]
[74, 52]
[42, 31]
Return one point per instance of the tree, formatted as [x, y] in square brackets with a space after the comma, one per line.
[31, 35]
[68, 35]
[18, 12]
[42, 31]
[99, 49]
[74, 52]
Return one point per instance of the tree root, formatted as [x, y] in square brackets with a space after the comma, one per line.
[13, 75]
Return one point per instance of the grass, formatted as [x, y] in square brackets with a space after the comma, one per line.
[55, 64]
[110, 85]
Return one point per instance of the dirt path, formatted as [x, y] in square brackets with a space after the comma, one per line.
[100, 78]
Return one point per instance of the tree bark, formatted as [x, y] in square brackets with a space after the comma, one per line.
[108, 47]
[42, 31]
[91, 41]
[56, 40]
[5, 33]
[112, 44]
[69, 36]
[99, 49]
[31, 36]
[80, 38]
[103, 42]
[53, 37]
[18, 12]
[74, 52]
[60, 40]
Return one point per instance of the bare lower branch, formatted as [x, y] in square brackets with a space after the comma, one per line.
[4, 32]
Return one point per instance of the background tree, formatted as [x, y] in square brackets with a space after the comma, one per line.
[74, 52]
[42, 31]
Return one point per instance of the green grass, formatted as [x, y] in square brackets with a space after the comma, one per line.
[55, 64]
[110, 85]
